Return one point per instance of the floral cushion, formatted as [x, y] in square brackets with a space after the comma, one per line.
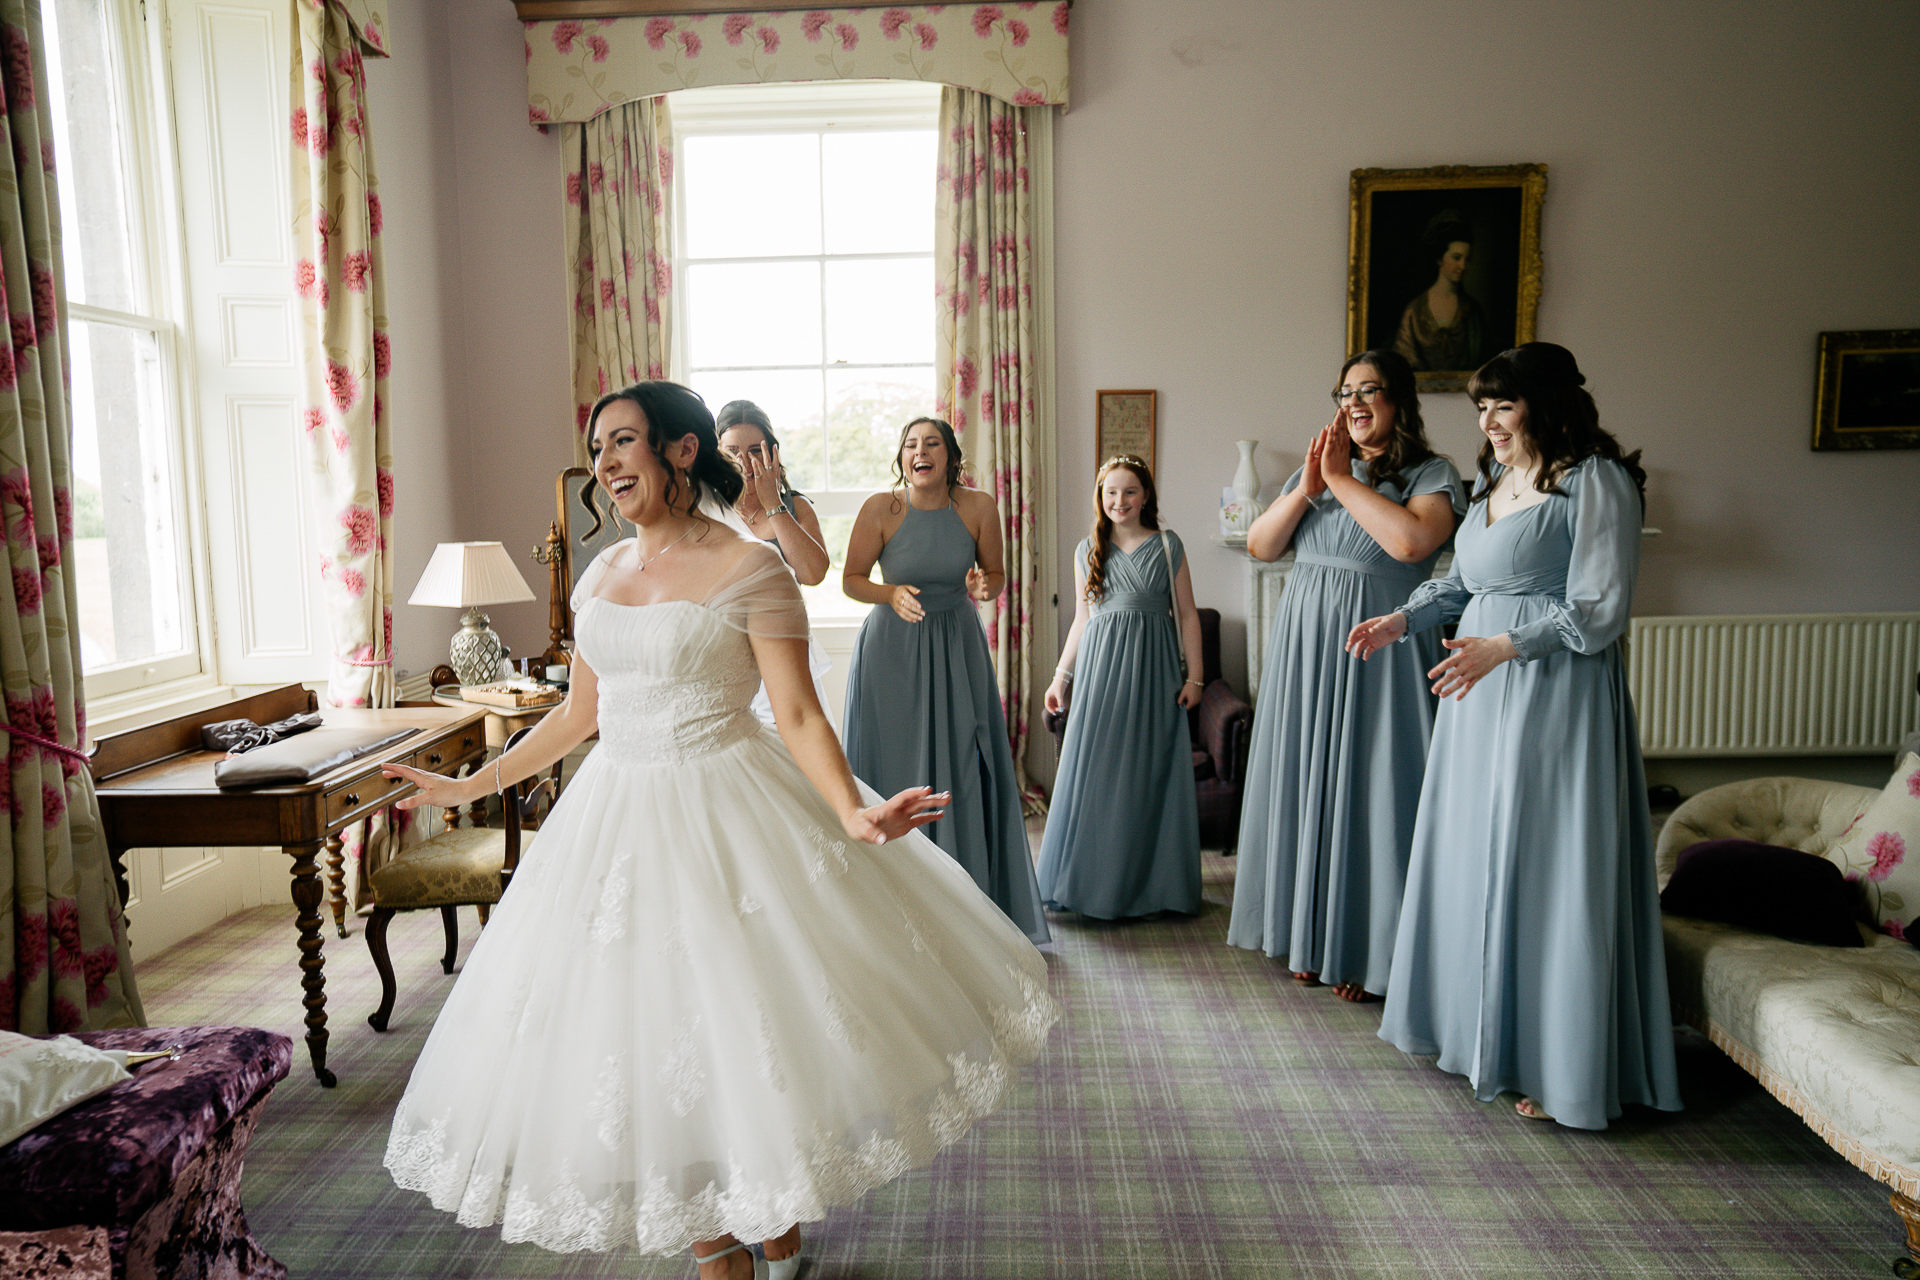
[455, 867]
[1882, 848]
[41, 1078]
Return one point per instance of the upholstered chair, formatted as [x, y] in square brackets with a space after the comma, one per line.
[460, 867]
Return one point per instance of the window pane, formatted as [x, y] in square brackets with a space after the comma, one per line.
[763, 313]
[126, 527]
[880, 311]
[869, 409]
[792, 399]
[879, 191]
[751, 196]
[90, 159]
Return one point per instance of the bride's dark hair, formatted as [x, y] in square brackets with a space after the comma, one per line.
[673, 413]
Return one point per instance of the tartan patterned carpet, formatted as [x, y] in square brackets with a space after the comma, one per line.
[1196, 1114]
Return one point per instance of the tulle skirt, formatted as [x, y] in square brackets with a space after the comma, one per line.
[701, 1010]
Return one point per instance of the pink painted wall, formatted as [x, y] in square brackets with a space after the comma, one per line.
[1726, 181]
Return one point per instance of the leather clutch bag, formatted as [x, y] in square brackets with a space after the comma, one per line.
[303, 758]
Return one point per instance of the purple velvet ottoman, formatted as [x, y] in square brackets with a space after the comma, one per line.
[143, 1181]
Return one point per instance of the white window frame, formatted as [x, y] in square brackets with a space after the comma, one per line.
[837, 106]
[137, 48]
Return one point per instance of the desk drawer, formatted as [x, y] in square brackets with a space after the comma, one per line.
[468, 744]
[362, 793]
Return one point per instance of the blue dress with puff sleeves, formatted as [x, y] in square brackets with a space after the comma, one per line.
[1529, 955]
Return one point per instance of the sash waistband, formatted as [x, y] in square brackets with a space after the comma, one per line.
[1395, 571]
[1136, 601]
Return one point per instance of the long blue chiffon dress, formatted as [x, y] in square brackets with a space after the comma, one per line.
[1529, 956]
[1123, 831]
[1339, 748]
[923, 709]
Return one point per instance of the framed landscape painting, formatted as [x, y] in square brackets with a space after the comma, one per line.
[1443, 265]
[1868, 392]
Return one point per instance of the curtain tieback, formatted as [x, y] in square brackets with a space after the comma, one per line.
[364, 662]
[38, 741]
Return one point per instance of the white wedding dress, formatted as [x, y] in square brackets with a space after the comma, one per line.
[701, 1009]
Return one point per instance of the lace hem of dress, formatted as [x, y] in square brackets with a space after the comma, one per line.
[657, 1219]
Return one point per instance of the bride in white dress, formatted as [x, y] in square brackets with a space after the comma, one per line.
[730, 987]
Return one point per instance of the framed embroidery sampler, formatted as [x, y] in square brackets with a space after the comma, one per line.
[1123, 422]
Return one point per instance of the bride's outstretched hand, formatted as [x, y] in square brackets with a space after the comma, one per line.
[435, 789]
[890, 819]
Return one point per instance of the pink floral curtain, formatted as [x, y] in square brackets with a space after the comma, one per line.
[619, 176]
[341, 275]
[984, 375]
[64, 964]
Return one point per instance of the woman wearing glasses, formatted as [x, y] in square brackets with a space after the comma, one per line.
[1339, 746]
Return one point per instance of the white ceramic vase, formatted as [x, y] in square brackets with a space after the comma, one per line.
[1237, 516]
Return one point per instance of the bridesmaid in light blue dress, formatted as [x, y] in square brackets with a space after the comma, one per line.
[1529, 956]
[1123, 832]
[922, 697]
[1339, 746]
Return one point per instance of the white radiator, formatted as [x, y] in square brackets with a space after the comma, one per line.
[1784, 684]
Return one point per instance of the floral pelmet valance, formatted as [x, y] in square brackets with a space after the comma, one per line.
[577, 69]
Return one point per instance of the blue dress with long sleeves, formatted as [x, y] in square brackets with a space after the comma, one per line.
[1339, 747]
[923, 709]
[1123, 832]
[1529, 955]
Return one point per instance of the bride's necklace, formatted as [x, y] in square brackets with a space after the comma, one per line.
[647, 560]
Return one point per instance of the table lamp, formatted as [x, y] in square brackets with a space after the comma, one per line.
[465, 575]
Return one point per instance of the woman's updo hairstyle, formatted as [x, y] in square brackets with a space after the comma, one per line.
[673, 413]
[1444, 228]
[1407, 446]
[1563, 423]
[745, 413]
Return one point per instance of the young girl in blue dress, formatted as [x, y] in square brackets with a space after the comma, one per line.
[1123, 832]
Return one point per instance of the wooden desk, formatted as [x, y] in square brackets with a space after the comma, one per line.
[156, 789]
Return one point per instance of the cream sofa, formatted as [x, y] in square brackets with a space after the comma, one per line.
[1833, 1032]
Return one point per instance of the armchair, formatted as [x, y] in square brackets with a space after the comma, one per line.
[1220, 727]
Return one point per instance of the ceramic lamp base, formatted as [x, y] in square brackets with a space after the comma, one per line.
[476, 650]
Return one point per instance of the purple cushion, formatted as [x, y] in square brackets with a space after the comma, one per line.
[112, 1157]
[1769, 889]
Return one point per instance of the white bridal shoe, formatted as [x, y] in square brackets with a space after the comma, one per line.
[761, 1267]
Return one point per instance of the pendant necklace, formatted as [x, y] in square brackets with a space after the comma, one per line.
[647, 560]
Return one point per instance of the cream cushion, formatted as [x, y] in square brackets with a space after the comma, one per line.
[41, 1078]
[1833, 1032]
[455, 867]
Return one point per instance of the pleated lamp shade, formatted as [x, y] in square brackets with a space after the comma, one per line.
[469, 573]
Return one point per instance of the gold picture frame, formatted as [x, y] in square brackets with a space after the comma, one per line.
[1867, 395]
[1124, 422]
[1404, 228]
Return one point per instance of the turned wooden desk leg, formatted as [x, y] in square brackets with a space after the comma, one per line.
[307, 892]
[337, 881]
[1907, 1268]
